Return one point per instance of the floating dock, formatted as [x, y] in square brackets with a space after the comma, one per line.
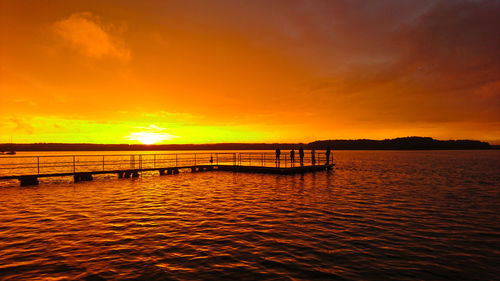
[28, 169]
[275, 170]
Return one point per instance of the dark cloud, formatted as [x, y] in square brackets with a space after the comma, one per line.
[444, 65]
[392, 60]
[455, 39]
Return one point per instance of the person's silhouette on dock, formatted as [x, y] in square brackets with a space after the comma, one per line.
[278, 153]
[313, 157]
[301, 156]
[327, 153]
[292, 157]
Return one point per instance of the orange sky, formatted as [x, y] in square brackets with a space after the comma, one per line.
[248, 71]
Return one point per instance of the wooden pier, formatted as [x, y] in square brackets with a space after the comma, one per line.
[28, 169]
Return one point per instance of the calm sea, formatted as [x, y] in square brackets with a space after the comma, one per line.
[379, 215]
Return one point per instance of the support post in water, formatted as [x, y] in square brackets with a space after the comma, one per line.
[28, 180]
[83, 177]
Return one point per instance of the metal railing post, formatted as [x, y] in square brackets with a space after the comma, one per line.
[74, 165]
[38, 165]
[195, 159]
[234, 159]
[154, 160]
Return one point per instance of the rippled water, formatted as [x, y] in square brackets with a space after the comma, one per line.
[378, 215]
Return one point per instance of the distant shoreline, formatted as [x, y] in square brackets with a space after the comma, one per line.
[407, 143]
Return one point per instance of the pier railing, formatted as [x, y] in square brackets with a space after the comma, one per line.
[43, 165]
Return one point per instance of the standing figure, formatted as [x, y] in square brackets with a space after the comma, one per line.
[292, 157]
[278, 153]
[327, 153]
[301, 155]
[313, 157]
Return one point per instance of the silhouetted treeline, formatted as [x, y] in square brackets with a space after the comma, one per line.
[408, 143]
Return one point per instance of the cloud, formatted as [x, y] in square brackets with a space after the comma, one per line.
[17, 126]
[86, 33]
[444, 67]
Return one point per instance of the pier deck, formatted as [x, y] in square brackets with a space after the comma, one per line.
[28, 169]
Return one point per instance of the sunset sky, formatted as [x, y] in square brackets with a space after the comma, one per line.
[248, 71]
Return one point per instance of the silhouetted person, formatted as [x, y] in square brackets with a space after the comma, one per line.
[278, 153]
[313, 157]
[301, 156]
[327, 153]
[292, 157]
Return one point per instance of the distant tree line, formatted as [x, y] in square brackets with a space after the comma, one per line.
[408, 143]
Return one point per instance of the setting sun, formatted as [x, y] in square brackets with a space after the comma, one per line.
[149, 137]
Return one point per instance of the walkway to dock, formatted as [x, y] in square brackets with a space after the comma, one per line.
[28, 169]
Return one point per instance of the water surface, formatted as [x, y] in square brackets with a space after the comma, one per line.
[379, 215]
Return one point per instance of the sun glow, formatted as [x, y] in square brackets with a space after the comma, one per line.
[149, 138]
[152, 134]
